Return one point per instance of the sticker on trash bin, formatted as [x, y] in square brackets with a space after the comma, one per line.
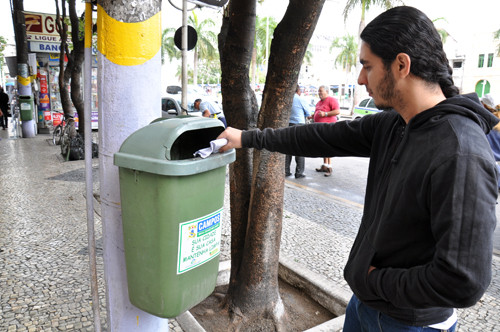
[199, 241]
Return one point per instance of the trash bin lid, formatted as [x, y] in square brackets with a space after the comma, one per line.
[25, 99]
[166, 147]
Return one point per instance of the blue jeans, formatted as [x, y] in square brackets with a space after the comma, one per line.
[223, 120]
[300, 161]
[362, 318]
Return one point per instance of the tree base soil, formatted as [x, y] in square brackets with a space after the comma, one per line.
[303, 312]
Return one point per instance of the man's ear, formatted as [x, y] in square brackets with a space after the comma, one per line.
[403, 63]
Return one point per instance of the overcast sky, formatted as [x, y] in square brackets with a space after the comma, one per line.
[462, 17]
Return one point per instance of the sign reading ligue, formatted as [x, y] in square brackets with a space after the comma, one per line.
[42, 27]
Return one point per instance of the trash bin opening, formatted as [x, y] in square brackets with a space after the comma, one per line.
[193, 140]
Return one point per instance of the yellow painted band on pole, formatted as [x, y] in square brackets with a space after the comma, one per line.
[24, 80]
[88, 25]
[128, 44]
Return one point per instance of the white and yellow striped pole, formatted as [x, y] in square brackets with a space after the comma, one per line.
[129, 37]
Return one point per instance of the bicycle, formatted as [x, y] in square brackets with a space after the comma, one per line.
[66, 136]
[57, 134]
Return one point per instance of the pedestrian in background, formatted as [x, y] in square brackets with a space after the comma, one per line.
[425, 243]
[210, 110]
[494, 135]
[327, 110]
[300, 111]
[4, 107]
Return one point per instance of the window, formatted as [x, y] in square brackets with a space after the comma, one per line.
[371, 104]
[457, 64]
[490, 60]
[481, 61]
[168, 104]
[483, 88]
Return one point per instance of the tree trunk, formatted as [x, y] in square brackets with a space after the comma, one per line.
[64, 76]
[257, 178]
[77, 56]
[240, 105]
[24, 87]
[20, 31]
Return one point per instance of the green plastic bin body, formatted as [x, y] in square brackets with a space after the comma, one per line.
[26, 107]
[172, 206]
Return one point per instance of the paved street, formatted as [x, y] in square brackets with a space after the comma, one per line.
[44, 274]
[348, 183]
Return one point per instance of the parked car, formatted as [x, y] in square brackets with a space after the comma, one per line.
[366, 106]
[171, 102]
[171, 107]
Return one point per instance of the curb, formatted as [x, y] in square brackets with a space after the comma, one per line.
[322, 290]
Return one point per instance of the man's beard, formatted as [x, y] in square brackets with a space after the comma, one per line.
[386, 90]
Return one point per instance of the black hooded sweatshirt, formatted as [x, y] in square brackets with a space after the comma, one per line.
[429, 212]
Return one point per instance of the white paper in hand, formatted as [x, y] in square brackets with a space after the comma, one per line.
[214, 148]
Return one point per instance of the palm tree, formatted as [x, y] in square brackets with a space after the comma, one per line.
[308, 56]
[168, 45]
[264, 29]
[210, 72]
[3, 44]
[178, 74]
[442, 32]
[496, 36]
[348, 55]
[206, 45]
[365, 5]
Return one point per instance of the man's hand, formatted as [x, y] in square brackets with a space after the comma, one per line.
[233, 137]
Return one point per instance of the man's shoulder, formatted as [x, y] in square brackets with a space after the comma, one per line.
[205, 104]
[332, 101]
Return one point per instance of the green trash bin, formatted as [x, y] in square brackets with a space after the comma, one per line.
[172, 205]
[26, 106]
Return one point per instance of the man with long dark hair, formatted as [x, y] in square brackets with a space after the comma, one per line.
[424, 246]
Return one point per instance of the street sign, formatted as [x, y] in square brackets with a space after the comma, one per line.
[192, 38]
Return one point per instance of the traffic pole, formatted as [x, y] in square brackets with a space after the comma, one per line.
[89, 188]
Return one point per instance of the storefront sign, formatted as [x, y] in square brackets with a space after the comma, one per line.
[42, 77]
[57, 118]
[54, 58]
[44, 47]
[44, 93]
[42, 27]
